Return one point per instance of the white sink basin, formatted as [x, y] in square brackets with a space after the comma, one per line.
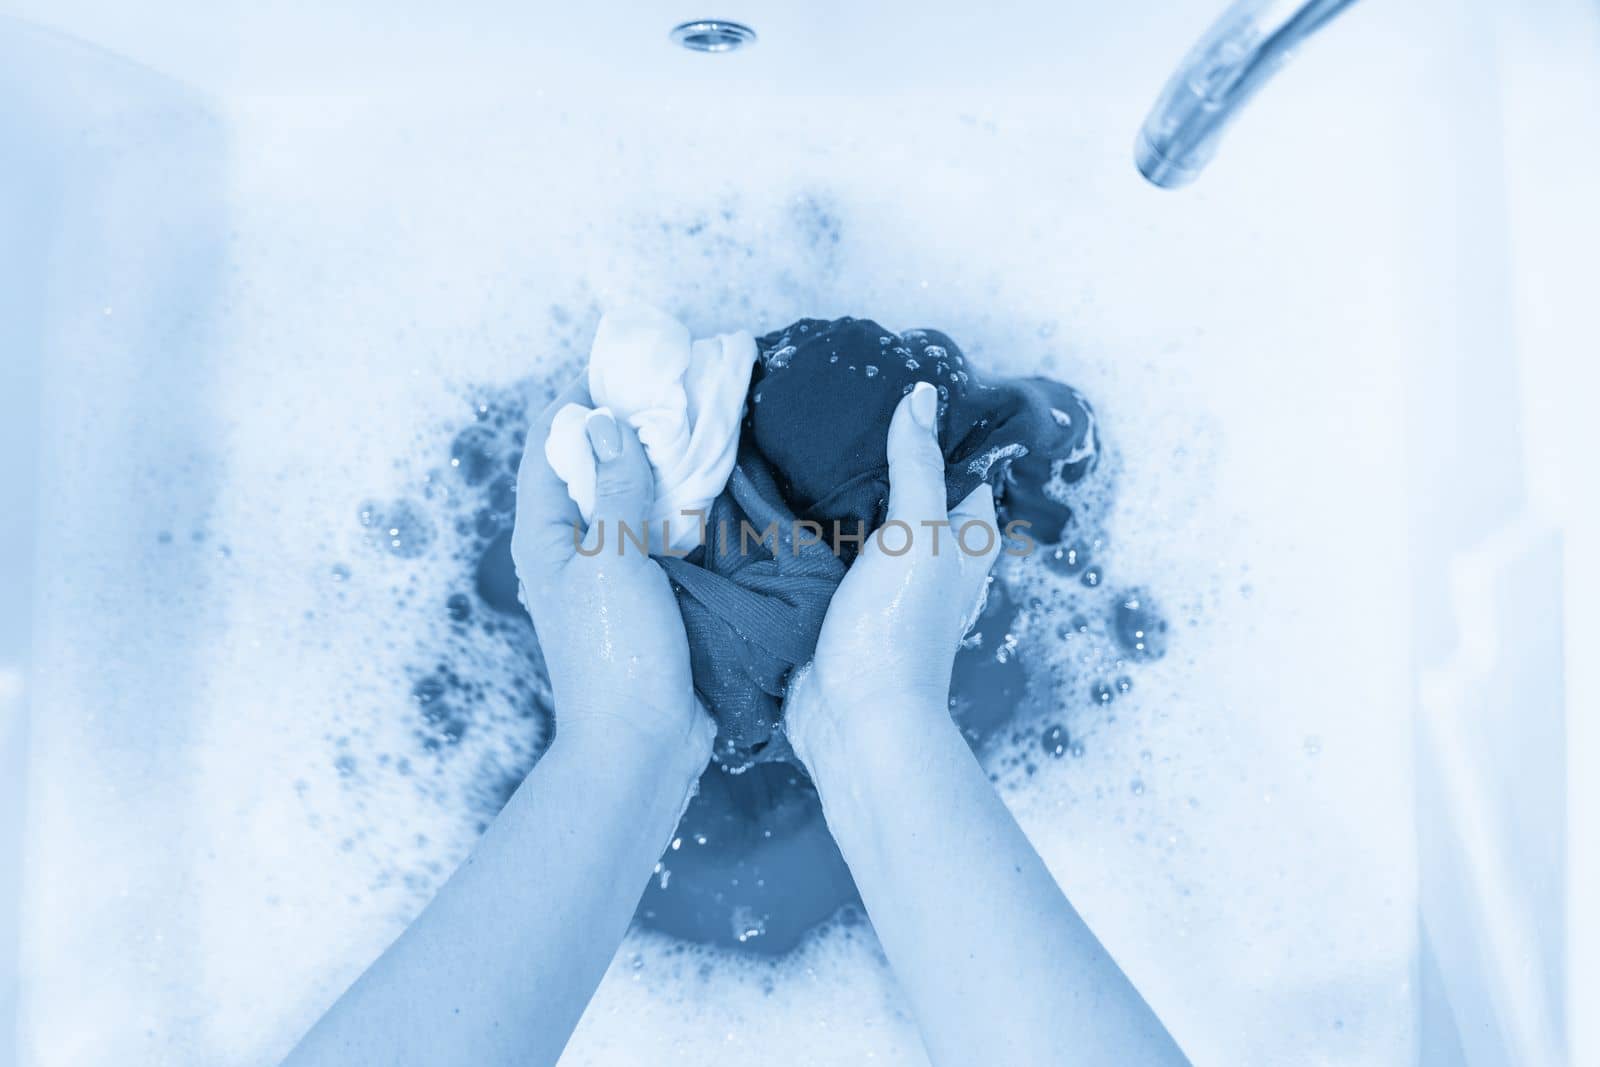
[279, 255]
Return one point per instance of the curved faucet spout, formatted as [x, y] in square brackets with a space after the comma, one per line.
[1235, 58]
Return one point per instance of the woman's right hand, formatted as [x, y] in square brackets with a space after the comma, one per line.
[890, 636]
[994, 961]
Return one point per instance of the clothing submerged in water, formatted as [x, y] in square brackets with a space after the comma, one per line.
[814, 448]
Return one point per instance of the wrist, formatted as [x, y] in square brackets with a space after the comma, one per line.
[677, 743]
[826, 726]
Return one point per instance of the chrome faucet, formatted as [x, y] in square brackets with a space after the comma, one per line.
[1243, 48]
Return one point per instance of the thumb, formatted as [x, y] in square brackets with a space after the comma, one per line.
[624, 483]
[916, 463]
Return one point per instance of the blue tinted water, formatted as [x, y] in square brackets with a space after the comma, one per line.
[752, 867]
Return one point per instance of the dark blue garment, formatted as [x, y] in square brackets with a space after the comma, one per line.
[751, 613]
[814, 447]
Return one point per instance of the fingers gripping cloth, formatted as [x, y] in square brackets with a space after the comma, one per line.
[824, 392]
[813, 447]
[685, 399]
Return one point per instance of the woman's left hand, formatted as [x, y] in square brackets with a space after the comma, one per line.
[607, 620]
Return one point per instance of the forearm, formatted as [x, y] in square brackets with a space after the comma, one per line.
[499, 966]
[997, 965]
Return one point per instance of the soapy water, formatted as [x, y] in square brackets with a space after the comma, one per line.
[239, 802]
[751, 867]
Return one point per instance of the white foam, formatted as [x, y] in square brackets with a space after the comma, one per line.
[1239, 835]
[981, 464]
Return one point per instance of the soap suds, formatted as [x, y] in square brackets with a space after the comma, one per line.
[308, 721]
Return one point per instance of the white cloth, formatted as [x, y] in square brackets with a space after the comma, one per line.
[684, 398]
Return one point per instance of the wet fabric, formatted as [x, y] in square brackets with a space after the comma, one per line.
[685, 398]
[751, 607]
[814, 447]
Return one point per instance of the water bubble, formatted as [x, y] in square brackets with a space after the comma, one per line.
[780, 358]
[872, 371]
[912, 364]
[1068, 559]
[1054, 741]
[747, 924]
[503, 495]
[1136, 787]
[425, 691]
[486, 523]
[410, 531]
[472, 454]
[430, 693]
[402, 528]
[1139, 628]
[340, 572]
[459, 607]
[1091, 577]
[1102, 693]
[936, 352]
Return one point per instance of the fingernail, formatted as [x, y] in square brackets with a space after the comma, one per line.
[924, 405]
[603, 436]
